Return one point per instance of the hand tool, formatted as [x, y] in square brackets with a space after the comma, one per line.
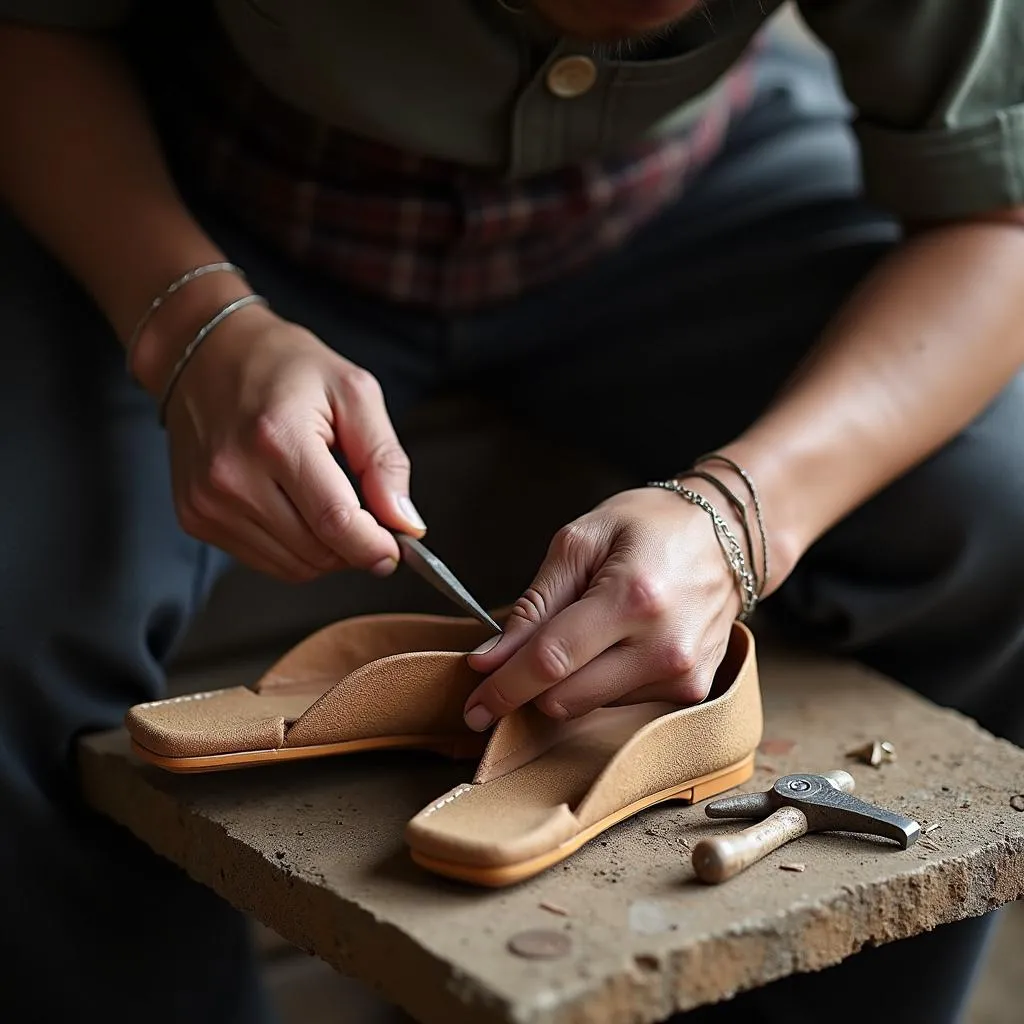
[426, 564]
[795, 805]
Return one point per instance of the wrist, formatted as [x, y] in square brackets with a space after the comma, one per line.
[728, 530]
[172, 326]
[780, 535]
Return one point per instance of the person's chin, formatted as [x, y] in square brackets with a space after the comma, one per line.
[611, 20]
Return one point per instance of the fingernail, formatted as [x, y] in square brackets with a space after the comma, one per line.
[385, 567]
[488, 645]
[479, 718]
[408, 509]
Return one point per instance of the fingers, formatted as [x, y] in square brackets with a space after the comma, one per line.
[281, 519]
[597, 684]
[258, 442]
[371, 446]
[586, 636]
[217, 509]
[248, 515]
[564, 576]
[249, 543]
[554, 653]
[631, 675]
[304, 467]
[690, 683]
[265, 504]
[571, 668]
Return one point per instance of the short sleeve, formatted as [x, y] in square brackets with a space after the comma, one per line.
[82, 14]
[938, 90]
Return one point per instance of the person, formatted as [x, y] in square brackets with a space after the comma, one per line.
[648, 228]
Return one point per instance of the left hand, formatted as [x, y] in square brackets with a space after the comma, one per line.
[634, 602]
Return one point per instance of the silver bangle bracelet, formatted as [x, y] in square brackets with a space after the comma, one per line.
[174, 286]
[201, 335]
[731, 547]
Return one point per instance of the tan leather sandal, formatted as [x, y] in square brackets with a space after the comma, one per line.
[543, 789]
[367, 683]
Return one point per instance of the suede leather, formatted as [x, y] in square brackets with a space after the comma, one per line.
[372, 676]
[541, 783]
[687, 743]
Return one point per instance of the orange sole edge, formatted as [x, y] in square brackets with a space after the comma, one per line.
[691, 792]
[456, 747]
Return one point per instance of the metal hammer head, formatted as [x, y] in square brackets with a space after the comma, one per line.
[826, 802]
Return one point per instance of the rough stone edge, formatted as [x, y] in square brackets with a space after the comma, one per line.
[709, 970]
[352, 940]
[647, 989]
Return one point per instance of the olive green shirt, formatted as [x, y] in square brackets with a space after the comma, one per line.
[937, 86]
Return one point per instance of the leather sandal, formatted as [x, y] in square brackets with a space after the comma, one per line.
[367, 683]
[544, 788]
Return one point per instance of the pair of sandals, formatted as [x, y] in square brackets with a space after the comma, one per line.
[542, 788]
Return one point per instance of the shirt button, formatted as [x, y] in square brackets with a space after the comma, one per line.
[571, 77]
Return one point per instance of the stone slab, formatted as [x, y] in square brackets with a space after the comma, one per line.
[315, 852]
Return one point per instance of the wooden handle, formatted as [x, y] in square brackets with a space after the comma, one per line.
[721, 857]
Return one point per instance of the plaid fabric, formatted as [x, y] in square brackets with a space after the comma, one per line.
[410, 229]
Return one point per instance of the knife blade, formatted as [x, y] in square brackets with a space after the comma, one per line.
[426, 564]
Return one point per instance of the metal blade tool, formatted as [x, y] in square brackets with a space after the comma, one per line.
[426, 564]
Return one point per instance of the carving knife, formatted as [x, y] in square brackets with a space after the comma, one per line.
[426, 564]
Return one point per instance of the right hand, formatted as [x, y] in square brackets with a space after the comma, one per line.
[252, 424]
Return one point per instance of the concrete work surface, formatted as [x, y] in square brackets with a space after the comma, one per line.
[315, 852]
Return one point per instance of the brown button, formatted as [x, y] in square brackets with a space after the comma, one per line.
[571, 77]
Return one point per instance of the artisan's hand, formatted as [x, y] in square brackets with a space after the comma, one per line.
[634, 602]
[252, 424]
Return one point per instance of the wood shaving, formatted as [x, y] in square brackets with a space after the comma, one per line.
[776, 745]
[931, 828]
[554, 908]
[792, 867]
[875, 753]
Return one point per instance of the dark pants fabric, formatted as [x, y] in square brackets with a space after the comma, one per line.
[658, 353]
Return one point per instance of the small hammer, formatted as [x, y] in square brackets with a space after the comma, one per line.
[795, 805]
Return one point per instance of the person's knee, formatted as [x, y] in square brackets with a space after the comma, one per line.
[84, 637]
[973, 502]
[953, 526]
[924, 582]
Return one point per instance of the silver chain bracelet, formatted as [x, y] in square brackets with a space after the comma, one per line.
[190, 349]
[741, 511]
[731, 547]
[755, 498]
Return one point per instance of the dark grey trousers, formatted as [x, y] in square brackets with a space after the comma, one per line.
[655, 354]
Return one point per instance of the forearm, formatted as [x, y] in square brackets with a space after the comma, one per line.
[919, 351]
[81, 167]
